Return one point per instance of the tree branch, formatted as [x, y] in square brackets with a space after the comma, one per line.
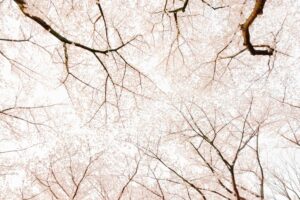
[257, 10]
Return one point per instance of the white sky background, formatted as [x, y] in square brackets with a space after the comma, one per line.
[71, 121]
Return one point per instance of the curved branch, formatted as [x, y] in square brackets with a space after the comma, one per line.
[257, 10]
[23, 7]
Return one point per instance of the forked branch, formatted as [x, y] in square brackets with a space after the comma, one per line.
[257, 10]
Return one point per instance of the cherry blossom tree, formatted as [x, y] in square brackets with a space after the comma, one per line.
[155, 99]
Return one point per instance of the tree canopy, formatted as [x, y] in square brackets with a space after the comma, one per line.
[150, 99]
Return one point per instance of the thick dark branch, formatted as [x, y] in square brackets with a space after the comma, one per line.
[23, 7]
[182, 9]
[257, 10]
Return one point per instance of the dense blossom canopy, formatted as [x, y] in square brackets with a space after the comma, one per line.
[150, 99]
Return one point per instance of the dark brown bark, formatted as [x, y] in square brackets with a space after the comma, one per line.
[257, 10]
